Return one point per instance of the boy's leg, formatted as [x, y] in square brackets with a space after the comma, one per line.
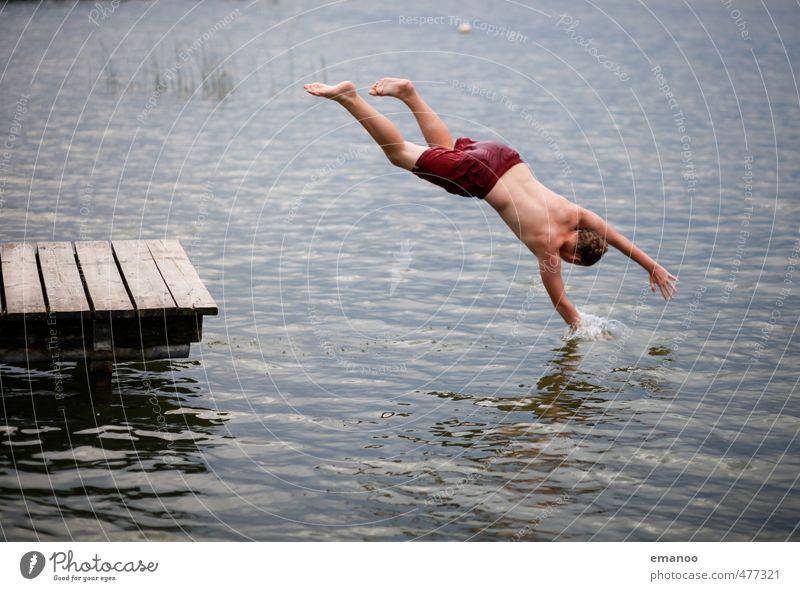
[399, 152]
[433, 128]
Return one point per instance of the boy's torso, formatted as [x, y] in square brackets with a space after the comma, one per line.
[539, 217]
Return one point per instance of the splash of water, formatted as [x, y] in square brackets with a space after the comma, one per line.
[596, 328]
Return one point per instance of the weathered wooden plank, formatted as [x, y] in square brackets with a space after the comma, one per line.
[107, 292]
[22, 288]
[181, 277]
[139, 271]
[61, 279]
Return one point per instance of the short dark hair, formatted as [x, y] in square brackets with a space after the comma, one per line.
[589, 246]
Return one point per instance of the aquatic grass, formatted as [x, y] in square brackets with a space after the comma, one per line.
[157, 81]
[291, 71]
[204, 72]
[271, 78]
[217, 82]
[108, 71]
[210, 72]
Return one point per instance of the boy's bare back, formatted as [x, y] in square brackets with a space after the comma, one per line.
[541, 218]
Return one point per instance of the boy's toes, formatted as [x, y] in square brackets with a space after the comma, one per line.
[377, 88]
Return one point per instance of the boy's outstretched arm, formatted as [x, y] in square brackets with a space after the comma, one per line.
[550, 272]
[659, 276]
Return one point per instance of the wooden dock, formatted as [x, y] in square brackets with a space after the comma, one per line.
[125, 300]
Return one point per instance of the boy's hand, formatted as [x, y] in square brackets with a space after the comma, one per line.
[664, 280]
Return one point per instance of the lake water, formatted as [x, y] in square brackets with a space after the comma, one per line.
[385, 364]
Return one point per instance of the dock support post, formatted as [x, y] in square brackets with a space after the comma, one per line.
[100, 373]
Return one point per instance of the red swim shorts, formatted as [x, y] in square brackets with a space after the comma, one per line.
[470, 169]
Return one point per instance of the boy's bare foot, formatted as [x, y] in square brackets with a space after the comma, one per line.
[337, 92]
[396, 87]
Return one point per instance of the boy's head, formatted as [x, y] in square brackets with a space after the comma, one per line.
[584, 248]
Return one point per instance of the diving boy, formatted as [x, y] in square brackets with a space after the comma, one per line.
[552, 227]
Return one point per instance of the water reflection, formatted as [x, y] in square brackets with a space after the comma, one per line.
[512, 465]
[565, 391]
[503, 463]
[151, 421]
